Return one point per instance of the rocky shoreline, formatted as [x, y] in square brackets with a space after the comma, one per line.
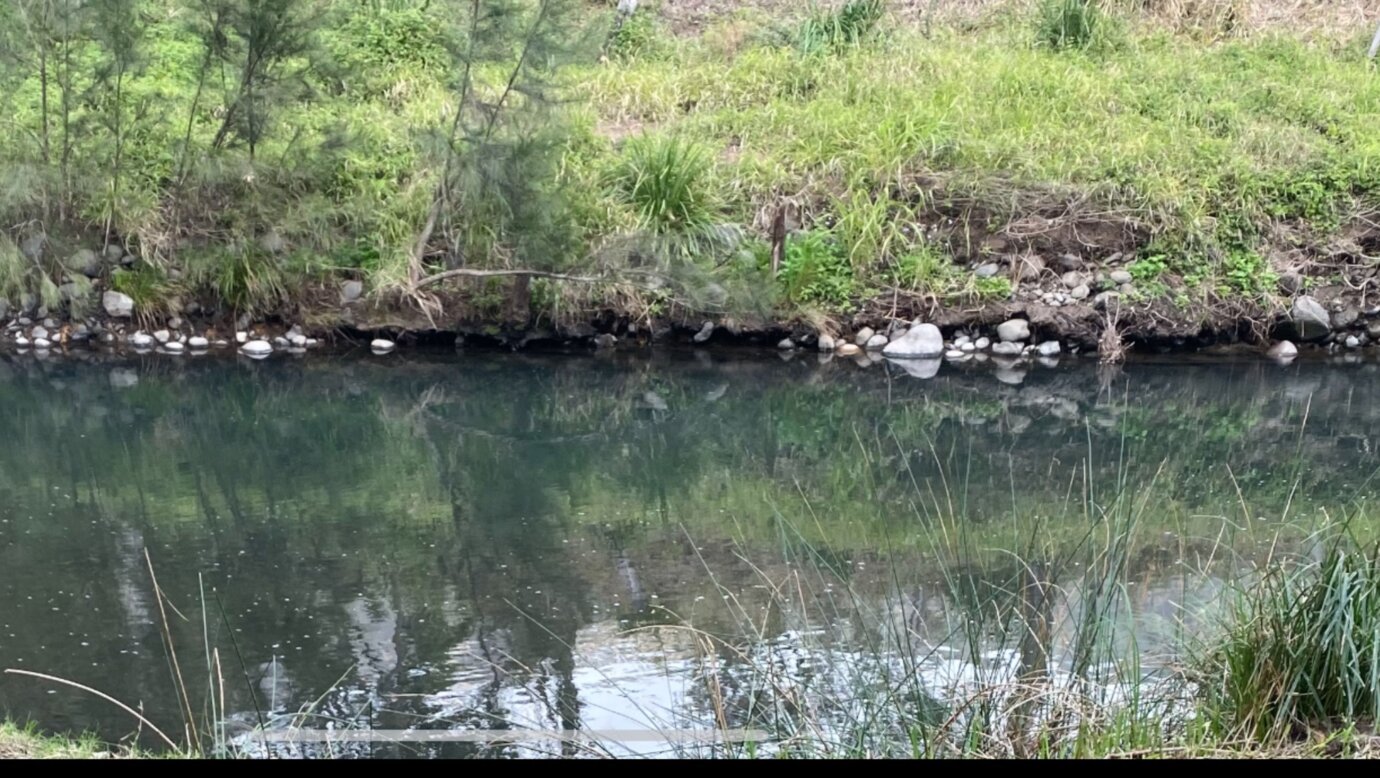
[1067, 307]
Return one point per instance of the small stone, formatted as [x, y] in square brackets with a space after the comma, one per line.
[1120, 277]
[1007, 349]
[988, 270]
[960, 340]
[876, 342]
[983, 343]
[786, 344]
[173, 347]
[175, 323]
[142, 340]
[1283, 350]
[162, 336]
[705, 333]
[826, 343]
[1013, 330]
[198, 343]
[968, 347]
[863, 336]
[1073, 280]
[381, 346]
[298, 341]
[1029, 267]
[118, 305]
[20, 340]
[848, 349]
[1353, 342]
[351, 291]
[1048, 349]
[39, 333]
[1079, 292]
[281, 342]
[50, 323]
[1104, 298]
[257, 349]
[42, 343]
[313, 341]
[603, 340]
[241, 337]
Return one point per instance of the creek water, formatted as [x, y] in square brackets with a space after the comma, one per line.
[476, 542]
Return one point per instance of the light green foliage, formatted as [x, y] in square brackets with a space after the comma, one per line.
[1069, 24]
[834, 30]
[815, 271]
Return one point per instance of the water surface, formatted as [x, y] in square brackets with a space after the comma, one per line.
[499, 541]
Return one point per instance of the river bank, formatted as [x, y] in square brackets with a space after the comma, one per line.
[1170, 178]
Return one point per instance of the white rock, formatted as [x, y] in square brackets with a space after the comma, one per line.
[39, 333]
[118, 304]
[826, 343]
[381, 346]
[173, 347]
[923, 341]
[162, 336]
[142, 340]
[257, 348]
[954, 354]
[967, 347]
[1007, 349]
[1048, 349]
[848, 349]
[983, 343]
[298, 341]
[876, 343]
[199, 343]
[43, 343]
[1283, 350]
[1013, 330]
[21, 341]
[1353, 342]
[786, 344]
[864, 335]
[241, 337]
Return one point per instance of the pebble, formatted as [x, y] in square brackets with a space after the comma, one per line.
[381, 346]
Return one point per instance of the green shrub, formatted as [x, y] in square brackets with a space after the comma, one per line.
[833, 30]
[1302, 649]
[1069, 24]
[815, 270]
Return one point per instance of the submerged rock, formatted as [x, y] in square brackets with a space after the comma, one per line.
[605, 341]
[1282, 350]
[923, 341]
[257, 348]
[919, 368]
[381, 346]
[705, 333]
[1013, 330]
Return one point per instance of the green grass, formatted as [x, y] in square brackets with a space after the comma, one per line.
[18, 742]
[1200, 147]
[918, 149]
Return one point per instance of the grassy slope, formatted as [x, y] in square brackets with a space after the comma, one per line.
[1222, 164]
[1215, 157]
[24, 743]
